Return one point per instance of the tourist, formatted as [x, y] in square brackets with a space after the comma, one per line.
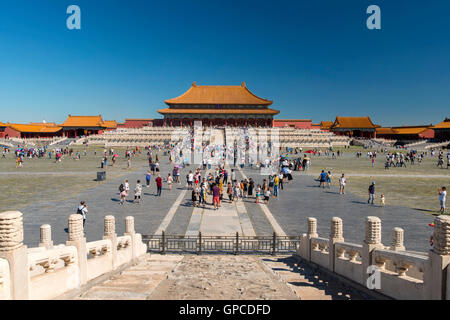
[442, 199]
[233, 176]
[322, 179]
[257, 193]
[342, 182]
[276, 182]
[138, 192]
[230, 191]
[169, 181]
[245, 188]
[216, 196]
[129, 163]
[195, 197]
[251, 185]
[281, 177]
[236, 191]
[329, 179]
[382, 200]
[158, 181]
[83, 210]
[190, 179]
[371, 193]
[266, 196]
[203, 194]
[148, 177]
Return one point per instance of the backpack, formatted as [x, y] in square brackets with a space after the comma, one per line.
[80, 211]
[121, 187]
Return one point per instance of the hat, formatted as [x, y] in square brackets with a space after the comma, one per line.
[373, 182]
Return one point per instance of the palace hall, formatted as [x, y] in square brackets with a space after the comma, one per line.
[218, 105]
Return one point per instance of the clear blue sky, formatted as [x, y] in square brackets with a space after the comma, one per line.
[314, 59]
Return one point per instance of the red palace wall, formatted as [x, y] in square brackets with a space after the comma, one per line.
[298, 124]
[429, 134]
[10, 133]
[135, 123]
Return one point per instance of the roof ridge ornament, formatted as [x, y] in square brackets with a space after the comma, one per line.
[194, 84]
[243, 84]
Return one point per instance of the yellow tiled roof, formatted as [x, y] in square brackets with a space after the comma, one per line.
[83, 121]
[353, 122]
[411, 130]
[443, 125]
[403, 130]
[238, 95]
[34, 128]
[385, 131]
[218, 111]
[326, 124]
[110, 124]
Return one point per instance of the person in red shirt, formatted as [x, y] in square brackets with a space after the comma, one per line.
[216, 196]
[158, 185]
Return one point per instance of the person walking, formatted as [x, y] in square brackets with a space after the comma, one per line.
[342, 182]
[251, 185]
[276, 182]
[442, 199]
[169, 181]
[148, 177]
[322, 179]
[371, 193]
[138, 192]
[230, 191]
[216, 196]
[329, 179]
[83, 210]
[158, 181]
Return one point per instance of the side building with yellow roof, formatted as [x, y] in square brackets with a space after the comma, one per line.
[442, 130]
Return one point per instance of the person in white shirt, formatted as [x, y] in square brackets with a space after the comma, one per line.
[342, 182]
[233, 175]
[442, 198]
[190, 179]
[83, 210]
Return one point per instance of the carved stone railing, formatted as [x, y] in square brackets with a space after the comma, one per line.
[389, 270]
[5, 282]
[348, 260]
[98, 248]
[48, 271]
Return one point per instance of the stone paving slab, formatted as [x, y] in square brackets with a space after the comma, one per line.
[136, 282]
[222, 277]
[302, 198]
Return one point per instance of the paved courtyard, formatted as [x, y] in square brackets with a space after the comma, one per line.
[173, 212]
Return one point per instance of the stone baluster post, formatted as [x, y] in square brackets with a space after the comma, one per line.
[46, 236]
[129, 231]
[439, 255]
[304, 249]
[372, 241]
[397, 239]
[77, 239]
[15, 252]
[335, 236]
[110, 234]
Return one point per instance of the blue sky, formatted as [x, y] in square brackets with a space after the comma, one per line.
[314, 59]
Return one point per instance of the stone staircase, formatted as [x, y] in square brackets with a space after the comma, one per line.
[309, 283]
[136, 282]
[216, 277]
